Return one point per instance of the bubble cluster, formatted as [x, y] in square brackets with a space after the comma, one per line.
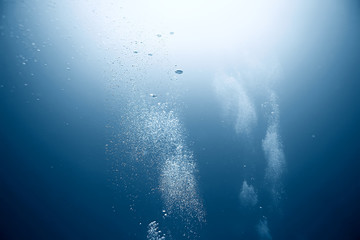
[154, 233]
[263, 230]
[178, 186]
[236, 103]
[248, 196]
[163, 131]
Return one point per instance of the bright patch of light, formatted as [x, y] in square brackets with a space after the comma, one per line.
[219, 25]
[207, 26]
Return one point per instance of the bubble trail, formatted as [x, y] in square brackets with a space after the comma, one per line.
[178, 184]
[272, 148]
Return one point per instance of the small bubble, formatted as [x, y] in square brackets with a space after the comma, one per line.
[150, 54]
[135, 51]
[171, 33]
[179, 71]
[158, 35]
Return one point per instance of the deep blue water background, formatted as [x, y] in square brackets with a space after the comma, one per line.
[55, 178]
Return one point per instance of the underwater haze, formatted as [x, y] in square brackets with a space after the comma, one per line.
[169, 119]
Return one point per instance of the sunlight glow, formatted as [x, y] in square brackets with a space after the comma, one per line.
[198, 24]
[210, 24]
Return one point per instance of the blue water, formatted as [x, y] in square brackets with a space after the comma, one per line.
[111, 129]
